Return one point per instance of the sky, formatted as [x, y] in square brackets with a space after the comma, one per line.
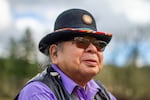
[116, 16]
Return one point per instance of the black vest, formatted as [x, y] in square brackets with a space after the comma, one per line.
[52, 79]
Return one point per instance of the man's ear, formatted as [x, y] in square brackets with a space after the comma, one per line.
[53, 52]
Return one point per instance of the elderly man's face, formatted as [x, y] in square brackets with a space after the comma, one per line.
[79, 63]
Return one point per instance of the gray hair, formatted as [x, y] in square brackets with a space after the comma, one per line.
[59, 48]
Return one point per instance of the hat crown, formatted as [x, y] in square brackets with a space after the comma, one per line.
[75, 18]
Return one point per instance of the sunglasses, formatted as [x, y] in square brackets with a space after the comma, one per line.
[84, 42]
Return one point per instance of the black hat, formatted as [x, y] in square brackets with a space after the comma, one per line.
[72, 23]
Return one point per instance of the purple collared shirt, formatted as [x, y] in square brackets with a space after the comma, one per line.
[39, 91]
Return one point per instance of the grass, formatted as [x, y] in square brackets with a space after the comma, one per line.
[3, 98]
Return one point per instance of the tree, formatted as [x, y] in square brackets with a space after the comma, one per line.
[13, 48]
[28, 47]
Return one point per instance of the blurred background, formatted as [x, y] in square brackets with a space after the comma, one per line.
[127, 58]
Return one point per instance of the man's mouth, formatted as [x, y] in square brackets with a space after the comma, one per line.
[91, 62]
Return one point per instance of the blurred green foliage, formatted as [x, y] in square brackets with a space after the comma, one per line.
[17, 67]
[13, 73]
[128, 82]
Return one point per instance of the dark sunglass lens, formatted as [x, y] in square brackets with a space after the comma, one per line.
[81, 42]
[100, 45]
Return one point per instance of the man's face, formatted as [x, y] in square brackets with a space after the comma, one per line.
[79, 63]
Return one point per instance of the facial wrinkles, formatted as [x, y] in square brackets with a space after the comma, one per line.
[75, 55]
[100, 58]
[72, 57]
[75, 58]
[75, 68]
[91, 53]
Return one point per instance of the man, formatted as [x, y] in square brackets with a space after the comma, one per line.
[76, 50]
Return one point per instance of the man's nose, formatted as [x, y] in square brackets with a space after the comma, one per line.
[91, 48]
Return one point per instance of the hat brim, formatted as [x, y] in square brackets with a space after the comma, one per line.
[65, 35]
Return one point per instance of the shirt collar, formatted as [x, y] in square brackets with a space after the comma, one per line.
[92, 88]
